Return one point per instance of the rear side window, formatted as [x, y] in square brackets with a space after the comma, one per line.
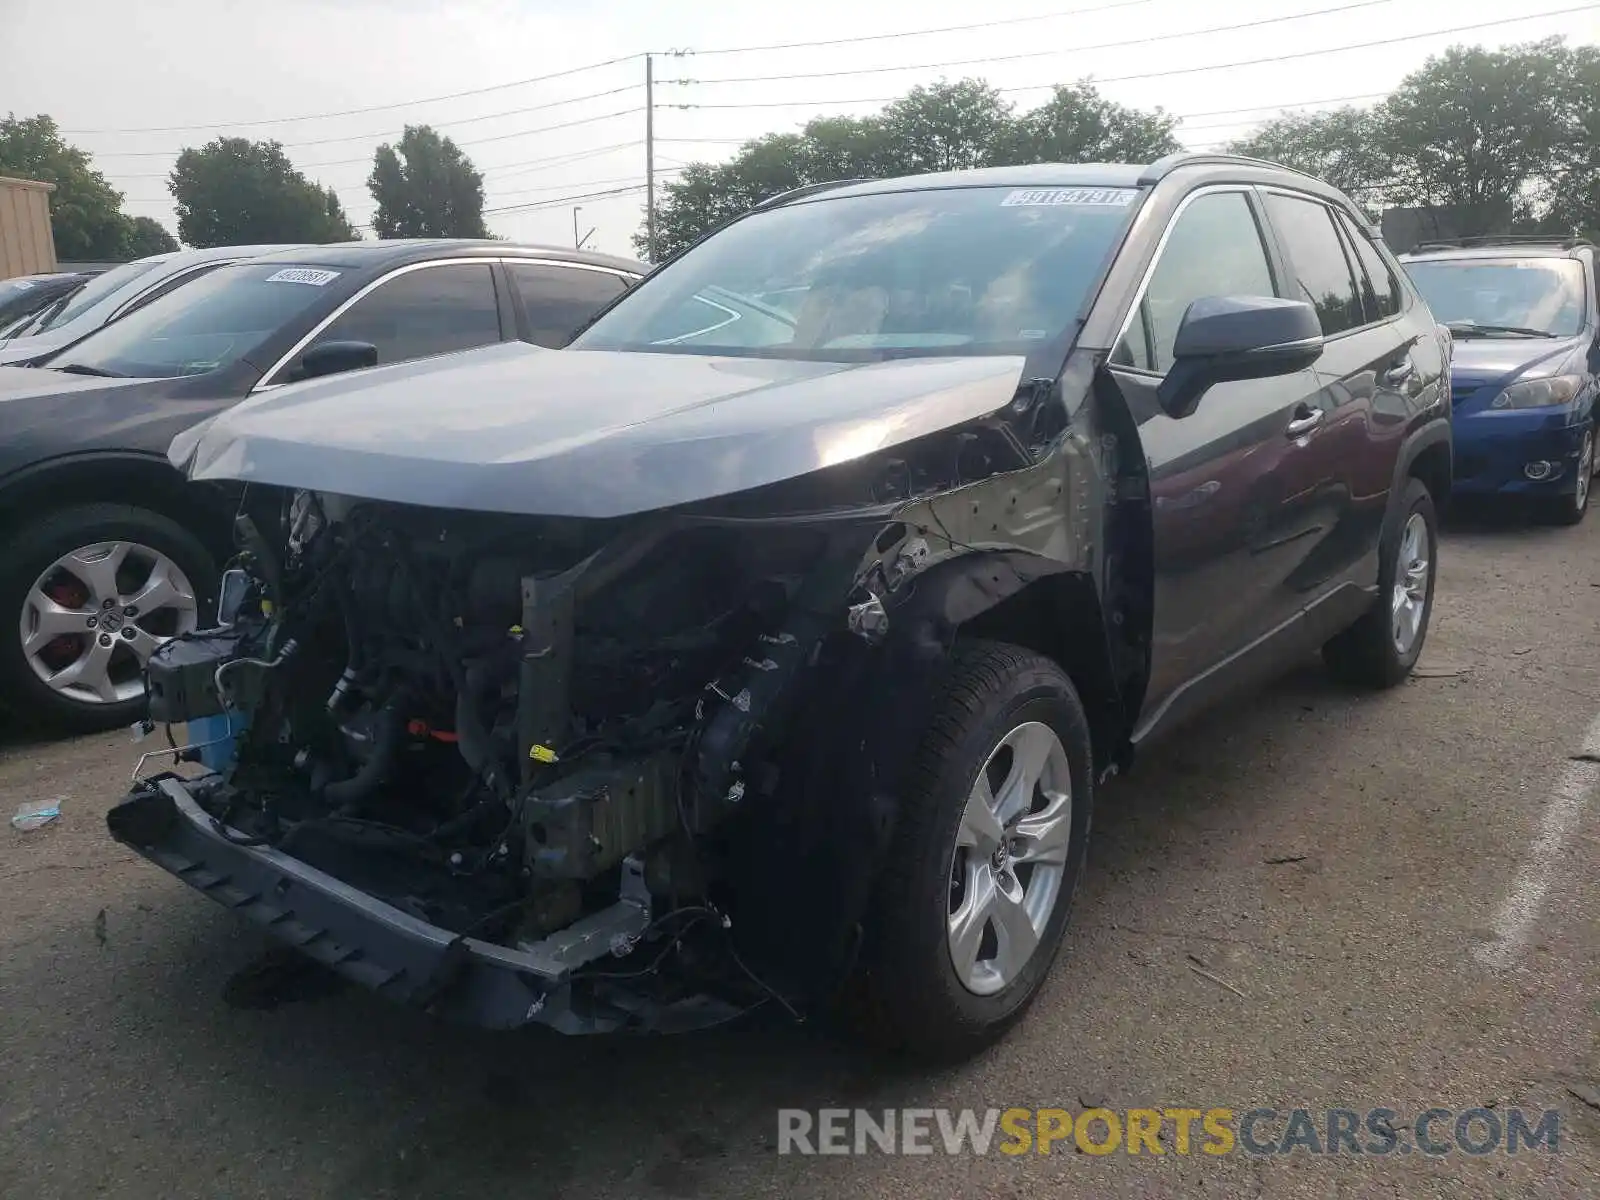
[1213, 249]
[1320, 272]
[558, 300]
[1380, 286]
[435, 310]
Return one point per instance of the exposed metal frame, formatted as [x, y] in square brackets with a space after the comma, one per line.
[373, 285]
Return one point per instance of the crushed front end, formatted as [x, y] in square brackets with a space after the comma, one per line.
[497, 766]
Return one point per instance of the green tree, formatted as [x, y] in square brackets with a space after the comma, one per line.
[1339, 146]
[143, 236]
[426, 187]
[85, 210]
[1078, 125]
[1573, 191]
[233, 191]
[1481, 130]
[944, 127]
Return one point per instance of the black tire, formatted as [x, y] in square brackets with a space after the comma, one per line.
[1571, 508]
[1366, 654]
[31, 552]
[907, 997]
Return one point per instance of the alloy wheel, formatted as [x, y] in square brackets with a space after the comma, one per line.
[1010, 858]
[1409, 603]
[92, 619]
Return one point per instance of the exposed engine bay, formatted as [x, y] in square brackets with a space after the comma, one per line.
[533, 732]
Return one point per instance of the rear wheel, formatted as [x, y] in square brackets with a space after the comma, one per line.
[1380, 649]
[974, 901]
[85, 595]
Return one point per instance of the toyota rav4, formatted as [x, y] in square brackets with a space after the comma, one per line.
[769, 645]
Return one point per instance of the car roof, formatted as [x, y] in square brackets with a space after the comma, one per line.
[1195, 167]
[397, 251]
[186, 258]
[1554, 248]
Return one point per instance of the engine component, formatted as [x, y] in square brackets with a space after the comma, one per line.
[545, 675]
[596, 815]
[182, 675]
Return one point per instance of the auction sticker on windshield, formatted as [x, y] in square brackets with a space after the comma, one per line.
[1050, 197]
[311, 275]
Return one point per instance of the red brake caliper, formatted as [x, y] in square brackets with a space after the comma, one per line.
[62, 651]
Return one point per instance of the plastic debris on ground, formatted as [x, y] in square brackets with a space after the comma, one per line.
[34, 816]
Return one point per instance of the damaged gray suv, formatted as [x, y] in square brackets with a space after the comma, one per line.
[768, 646]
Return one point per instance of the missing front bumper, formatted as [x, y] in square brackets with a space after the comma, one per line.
[373, 944]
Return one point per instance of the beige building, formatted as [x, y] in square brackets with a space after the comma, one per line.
[27, 246]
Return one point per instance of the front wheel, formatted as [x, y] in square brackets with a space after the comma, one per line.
[973, 904]
[1570, 509]
[86, 594]
[1381, 648]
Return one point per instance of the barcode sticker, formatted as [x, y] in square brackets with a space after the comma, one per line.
[1051, 197]
[311, 275]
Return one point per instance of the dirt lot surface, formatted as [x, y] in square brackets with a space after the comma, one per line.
[1316, 900]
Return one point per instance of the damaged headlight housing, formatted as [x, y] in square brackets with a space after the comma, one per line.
[1548, 392]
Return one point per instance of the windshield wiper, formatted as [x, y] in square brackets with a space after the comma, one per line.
[1473, 327]
[97, 372]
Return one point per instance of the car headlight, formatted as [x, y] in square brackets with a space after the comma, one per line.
[1539, 393]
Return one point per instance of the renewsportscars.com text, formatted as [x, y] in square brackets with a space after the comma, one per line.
[1159, 1131]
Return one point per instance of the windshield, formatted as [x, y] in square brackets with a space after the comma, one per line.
[208, 323]
[950, 271]
[1538, 295]
[96, 290]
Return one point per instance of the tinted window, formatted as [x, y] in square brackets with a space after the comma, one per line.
[560, 299]
[1320, 272]
[99, 288]
[211, 321]
[950, 271]
[435, 310]
[1380, 286]
[1510, 294]
[1214, 249]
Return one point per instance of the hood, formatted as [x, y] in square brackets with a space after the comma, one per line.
[1478, 362]
[24, 348]
[585, 433]
[22, 383]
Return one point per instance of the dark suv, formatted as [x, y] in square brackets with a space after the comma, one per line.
[778, 647]
[1526, 366]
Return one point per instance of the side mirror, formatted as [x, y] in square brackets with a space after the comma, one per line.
[1225, 338]
[330, 358]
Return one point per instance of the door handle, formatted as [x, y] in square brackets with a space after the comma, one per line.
[1304, 423]
[1400, 372]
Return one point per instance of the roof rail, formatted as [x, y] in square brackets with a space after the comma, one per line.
[1162, 167]
[1503, 239]
[801, 193]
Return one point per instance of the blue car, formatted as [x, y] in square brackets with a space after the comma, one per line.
[1524, 318]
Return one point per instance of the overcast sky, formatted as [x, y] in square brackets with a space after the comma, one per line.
[110, 70]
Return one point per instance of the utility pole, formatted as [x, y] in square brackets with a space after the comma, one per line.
[577, 244]
[650, 158]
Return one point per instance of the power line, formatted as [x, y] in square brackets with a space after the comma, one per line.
[558, 201]
[350, 112]
[579, 183]
[356, 137]
[881, 37]
[1388, 41]
[972, 62]
[610, 62]
[1250, 62]
[508, 169]
[499, 137]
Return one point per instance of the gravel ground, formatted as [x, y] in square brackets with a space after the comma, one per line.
[1299, 902]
